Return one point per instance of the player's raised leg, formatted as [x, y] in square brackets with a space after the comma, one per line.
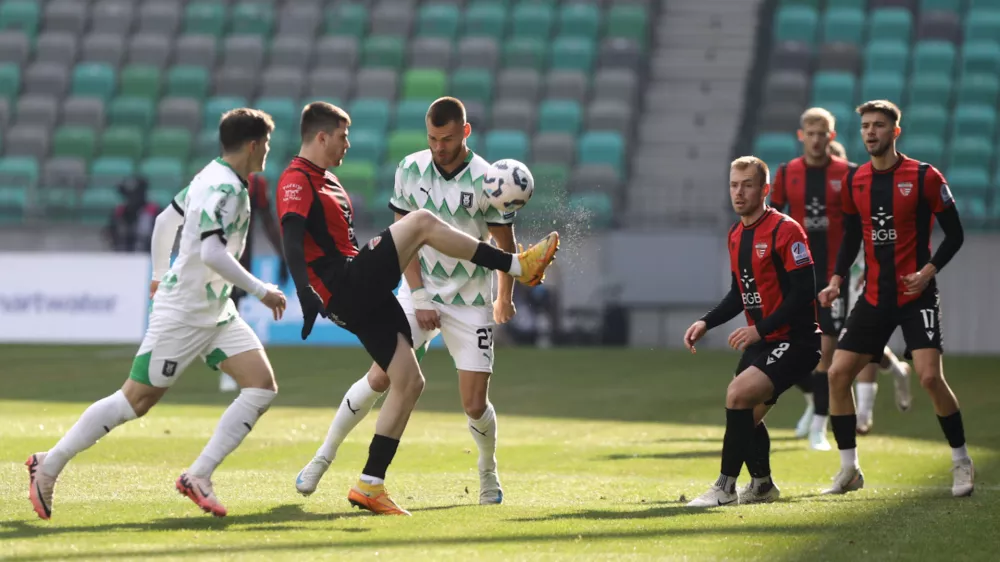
[845, 368]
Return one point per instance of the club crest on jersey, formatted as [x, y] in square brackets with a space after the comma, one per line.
[761, 248]
[800, 254]
[835, 185]
[374, 242]
[905, 188]
[466, 200]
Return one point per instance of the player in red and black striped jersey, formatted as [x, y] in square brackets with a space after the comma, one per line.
[890, 204]
[354, 286]
[773, 284]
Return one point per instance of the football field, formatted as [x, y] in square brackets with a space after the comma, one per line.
[598, 450]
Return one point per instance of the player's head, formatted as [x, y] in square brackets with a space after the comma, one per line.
[447, 130]
[817, 127]
[879, 125]
[837, 149]
[749, 184]
[246, 133]
[324, 133]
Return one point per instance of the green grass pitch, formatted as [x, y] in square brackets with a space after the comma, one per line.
[596, 450]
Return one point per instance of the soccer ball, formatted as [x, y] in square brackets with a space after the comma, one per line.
[508, 185]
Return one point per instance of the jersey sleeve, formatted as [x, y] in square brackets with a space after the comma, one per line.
[401, 200]
[179, 202]
[294, 195]
[847, 205]
[778, 196]
[793, 246]
[936, 191]
[221, 211]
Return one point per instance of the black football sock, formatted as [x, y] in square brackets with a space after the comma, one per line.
[736, 444]
[759, 461]
[953, 429]
[492, 258]
[380, 454]
[843, 431]
[821, 393]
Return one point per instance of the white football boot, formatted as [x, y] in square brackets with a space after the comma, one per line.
[847, 480]
[490, 492]
[762, 493]
[309, 477]
[963, 476]
[715, 497]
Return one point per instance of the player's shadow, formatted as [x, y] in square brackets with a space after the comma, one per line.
[671, 509]
[679, 455]
[774, 439]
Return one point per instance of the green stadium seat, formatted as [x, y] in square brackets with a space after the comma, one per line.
[931, 120]
[795, 23]
[934, 57]
[21, 172]
[979, 89]
[424, 84]
[833, 87]
[472, 84]
[809, 3]
[284, 142]
[883, 86]
[10, 81]
[486, 19]
[140, 81]
[108, 171]
[285, 112]
[188, 82]
[983, 4]
[941, 6]
[205, 18]
[856, 151]
[887, 57]
[349, 19]
[96, 204]
[524, 52]
[367, 145]
[94, 79]
[170, 142]
[981, 57]
[602, 147]
[549, 178]
[628, 21]
[386, 177]
[411, 115]
[598, 208]
[560, 116]
[572, 53]
[974, 121]
[776, 148]
[501, 144]
[928, 89]
[13, 202]
[164, 173]
[163, 196]
[216, 106]
[404, 143]
[844, 25]
[369, 114]
[969, 181]
[438, 20]
[196, 165]
[969, 152]
[974, 209]
[384, 51]
[584, 21]
[532, 20]
[58, 203]
[252, 18]
[75, 142]
[206, 147]
[359, 177]
[21, 14]
[890, 23]
[982, 25]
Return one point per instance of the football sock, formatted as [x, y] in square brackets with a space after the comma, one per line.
[727, 483]
[866, 397]
[849, 458]
[97, 421]
[843, 432]
[356, 404]
[380, 454]
[954, 432]
[235, 424]
[738, 441]
[759, 461]
[484, 432]
[819, 423]
[491, 257]
[821, 393]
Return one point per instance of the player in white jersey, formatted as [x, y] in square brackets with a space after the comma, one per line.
[192, 317]
[440, 294]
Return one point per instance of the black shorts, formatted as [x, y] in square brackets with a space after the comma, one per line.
[362, 302]
[831, 320]
[785, 363]
[869, 328]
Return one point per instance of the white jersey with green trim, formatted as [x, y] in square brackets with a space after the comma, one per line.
[215, 202]
[460, 201]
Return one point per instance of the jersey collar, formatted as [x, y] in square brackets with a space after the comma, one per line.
[219, 160]
[457, 172]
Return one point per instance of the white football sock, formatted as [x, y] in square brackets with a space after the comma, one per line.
[235, 424]
[97, 421]
[819, 424]
[515, 266]
[960, 454]
[849, 458]
[372, 480]
[866, 392]
[356, 404]
[484, 431]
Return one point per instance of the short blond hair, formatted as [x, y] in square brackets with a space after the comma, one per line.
[885, 107]
[836, 149]
[816, 114]
[744, 162]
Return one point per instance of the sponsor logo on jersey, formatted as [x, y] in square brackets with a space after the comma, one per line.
[800, 254]
[946, 197]
[291, 192]
[761, 248]
[883, 228]
[751, 298]
[466, 200]
[905, 188]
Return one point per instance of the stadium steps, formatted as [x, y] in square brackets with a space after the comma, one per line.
[694, 104]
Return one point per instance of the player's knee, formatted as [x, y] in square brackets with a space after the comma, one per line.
[377, 379]
[424, 219]
[737, 396]
[474, 407]
[839, 376]
[931, 379]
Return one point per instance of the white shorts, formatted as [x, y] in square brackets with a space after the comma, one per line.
[169, 347]
[467, 332]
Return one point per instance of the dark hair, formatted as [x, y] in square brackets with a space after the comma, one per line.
[242, 125]
[885, 107]
[446, 110]
[321, 116]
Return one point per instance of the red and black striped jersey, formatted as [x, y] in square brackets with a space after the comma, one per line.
[896, 208]
[761, 256]
[812, 196]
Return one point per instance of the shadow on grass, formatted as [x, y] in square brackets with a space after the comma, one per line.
[680, 455]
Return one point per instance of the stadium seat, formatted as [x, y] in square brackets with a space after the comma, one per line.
[112, 16]
[930, 89]
[833, 87]
[788, 87]
[775, 148]
[199, 50]
[45, 79]
[282, 82]
[205, 18]
[57, 204]
[940, 26]
[367, 145]
[549, 178]
[513, 115]
[887, 57]
[424, 84]
[154, 50]
[14, 46]
[969, 181]
[981, 57]
[188, 82]
[431, 52]
[594, 179]
[56, 47]
[19, 172]
[472, 84]
[369, 114]
[524, 52]
[477, 52]
[383, 51]
[974, 121]
[486, 19]
[179, 112]
[934, 57]
[890, 24]
[40, 111]
[96, 204]
[393, 19]
[109, 171]
[122, 142]
[216, 106]
[159, 19]
[64, 172]
[625, 21]
[438, 20]
[979, 89]
[358, 178]
[533, 20]
[404, 143]
[982, 25]
[83, 112]
[94, 80]
[281, 145]
[235, 82]
[554, 148]
[164, 173]
[925, 148]
[170, 142]
[500, 144]
[844, 25]
[796, 23]
[252, 18]
[290, 51]
[842, 57]
[572, 85]
[602, 147]
[246, 52]
[584, 21]
[595, 209]
[65, 17]
[10, 80]
[572, 53]
[131, 111]
[104, 48]
[778, 118]
[285, 111]
[560, 116]
[347, 19]
[21, 14]
[883, 85]
[140, 81]
[519, 84]
[411, 115]
[940, 5]
[27, 140]
[968, 152]
[929, 120]
[791, 55]
[973, 210]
